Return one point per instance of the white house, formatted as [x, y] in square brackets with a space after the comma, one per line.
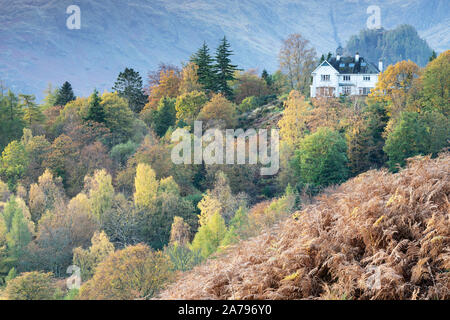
[344, 76]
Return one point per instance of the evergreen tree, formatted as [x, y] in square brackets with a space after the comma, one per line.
[267, 78]
[33, 112]
[129, 86]
[96, 112]
[205, 71]
[224, 69]
[64, 95]
[165, 116]
[433, 56]
[11, 119]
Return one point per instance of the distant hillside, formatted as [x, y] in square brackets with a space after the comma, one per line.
[37, 48]
[378, 236]
[401, 43]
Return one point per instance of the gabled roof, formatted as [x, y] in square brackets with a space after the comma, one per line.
[324, 64]
[348, 65]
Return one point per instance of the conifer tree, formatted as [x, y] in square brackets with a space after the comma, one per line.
[64, 94]
[33, 113]
[205, 71]
[129, 86]
[224, 69]
[96, 112]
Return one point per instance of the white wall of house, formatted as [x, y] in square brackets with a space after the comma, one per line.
[318, 82]
[340, 85]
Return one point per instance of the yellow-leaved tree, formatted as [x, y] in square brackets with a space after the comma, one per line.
[146, 186]
[394, 84]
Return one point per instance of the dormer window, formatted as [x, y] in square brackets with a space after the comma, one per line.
[325, 77]
[347, 78]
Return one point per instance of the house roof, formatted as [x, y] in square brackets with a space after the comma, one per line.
[348, 65]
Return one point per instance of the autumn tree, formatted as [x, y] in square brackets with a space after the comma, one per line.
[101, 193]
[189, 79]
[146, 186]
[435, 83]
[188, 105]
[248, 84]
[88, 259]
[293, 124]
[210, 235]
[219, 109]
[167, 86]
[135, 272]
[31, 286]
[179, 232]
[297, 60]
[45, 195]
[394, 85]
[129, 86]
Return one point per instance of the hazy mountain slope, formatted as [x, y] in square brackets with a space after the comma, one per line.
[392, 46]
[36, 47]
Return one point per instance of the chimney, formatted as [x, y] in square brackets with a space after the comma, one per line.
[338, 57]
[357, 57]
[380, 65]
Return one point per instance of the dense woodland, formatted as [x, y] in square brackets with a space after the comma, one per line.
[88, 181]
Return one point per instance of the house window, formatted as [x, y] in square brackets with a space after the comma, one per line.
[347, 90]
[366, 78]
[325, 91]
[325, 77]
[364, 91]
[346, 78]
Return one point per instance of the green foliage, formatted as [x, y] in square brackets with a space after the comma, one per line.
[118, 117]
[210, 235]
[121, 152]
[164, 116]
[321, 159]
[64, 94]
[13, 165]
[101, 194]
[89, 259]
[205, 71]
[248, 104]
[129, 86]
[182, 258]
[416, 134]
[223, 69]
[436, 84]
[95, 111]
[11, 119]
[32, 112]
[188, 105]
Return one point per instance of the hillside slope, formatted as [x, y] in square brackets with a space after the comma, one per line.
[378, 236]
[37, 48]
